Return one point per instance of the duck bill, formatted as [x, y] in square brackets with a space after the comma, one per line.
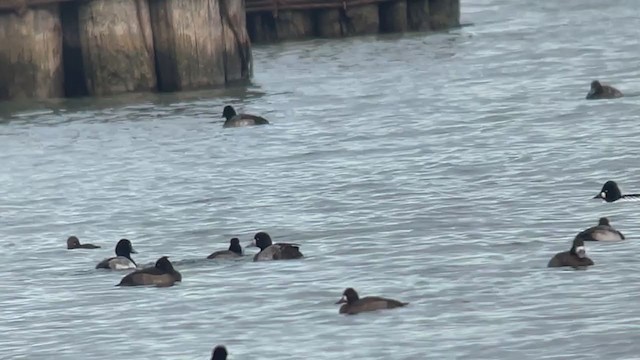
[591, 93]
[133, 251]
[341, 301]
[599, 196]
[251, 244]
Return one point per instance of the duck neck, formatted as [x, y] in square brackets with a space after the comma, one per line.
[236, 249]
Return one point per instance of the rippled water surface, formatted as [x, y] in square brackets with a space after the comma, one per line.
[443, 170]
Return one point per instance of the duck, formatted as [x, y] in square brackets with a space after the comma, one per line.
[162, 274]
[353, 304]
[271, 251]
[610, 192]
[576, 257]
[234, 119]
[600, 91]
[122, 260]
[235, 250]
[219, 353]
[74, 243]
[602, 232]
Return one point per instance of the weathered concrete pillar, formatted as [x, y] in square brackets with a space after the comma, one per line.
[330, 23]
[31, 53]
[393, 16]
[362, 20]
[294, 24]
[418, 17]
[189, 44]
[444, 14]
[117, 46]
[261, 27]
[74, 74]
[238, 62]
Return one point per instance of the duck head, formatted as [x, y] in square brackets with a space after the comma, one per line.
[228, 112]
[349, 296]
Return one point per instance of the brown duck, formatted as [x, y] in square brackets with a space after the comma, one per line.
[74, 243]
[601, 91]
[234, 119]
[353, 304]
[162, 275]
[576, 257]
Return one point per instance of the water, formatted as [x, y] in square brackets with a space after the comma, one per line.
[443, 170]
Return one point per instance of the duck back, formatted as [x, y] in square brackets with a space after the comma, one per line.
[370, 303]
[279, 251]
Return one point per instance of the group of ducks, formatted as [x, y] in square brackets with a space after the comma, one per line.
[576, 257]
[163, 274]
[233, 119]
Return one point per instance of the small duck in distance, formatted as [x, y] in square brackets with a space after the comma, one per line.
[235, 250]
[74, 243]
[600, 91]
[234, 119]
[353, 304]
[576, 257]
[610, 192]
[602, 232]
[271, 251]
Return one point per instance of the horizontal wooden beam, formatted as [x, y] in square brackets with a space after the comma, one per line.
[277, 5]
[251, 5]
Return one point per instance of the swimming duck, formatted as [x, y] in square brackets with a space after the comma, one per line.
[599, 91]
[235, 250]
[353, 304]
[602, 232]
[122, 260]
[576, 257]
[271, 251]
[74, 243]
[239, 120]
[611, 192]
[162, 275]
[219, 353]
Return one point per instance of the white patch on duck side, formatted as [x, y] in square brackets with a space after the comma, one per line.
[606, 235]
[121, 263]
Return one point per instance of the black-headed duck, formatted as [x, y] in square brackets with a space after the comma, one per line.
[235, 250]
[271, 251]
[74, 243]
[219, 353]
[600, 91]
[122, 260]
[162, 274]
[602, 232]
[234, 119]
[576, 257]
[353, 304]
[610, 192]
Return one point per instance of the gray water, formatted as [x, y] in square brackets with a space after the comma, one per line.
[444, 170]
